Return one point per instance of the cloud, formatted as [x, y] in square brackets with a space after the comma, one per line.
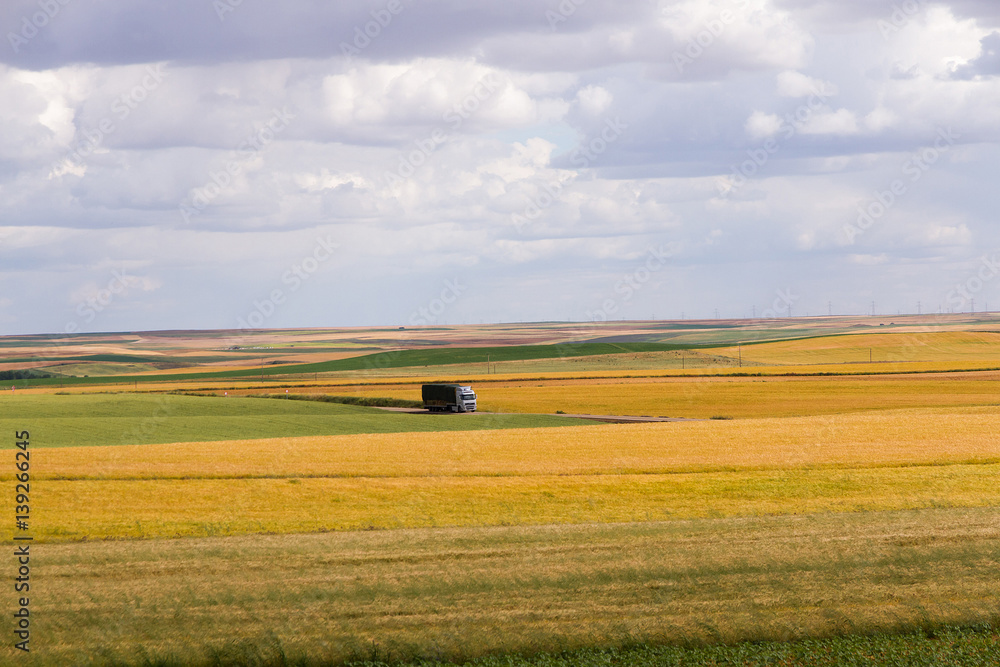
[840, 122]
[594, 100]
[796, 84]
[419, 151]
[987, 64]
[761, 125]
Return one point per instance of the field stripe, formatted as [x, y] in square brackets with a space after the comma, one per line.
[899, 438]
[129, 509]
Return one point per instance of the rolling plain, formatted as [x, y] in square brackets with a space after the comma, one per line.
[834, 479]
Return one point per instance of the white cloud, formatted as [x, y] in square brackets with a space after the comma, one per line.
[796, 84]
[594, 100]
[880, 119]
[869, 260]
[761, 125]
[840, 122]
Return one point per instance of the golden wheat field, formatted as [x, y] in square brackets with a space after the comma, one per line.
[610, 473]
[459, 593]
[705, 397]
[895, 348]
[745, 397]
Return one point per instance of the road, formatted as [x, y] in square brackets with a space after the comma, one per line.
[611, 419]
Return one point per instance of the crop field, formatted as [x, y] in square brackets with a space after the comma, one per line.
[743, 397]
[460, 593]
[606, 473]
[952, 346]
[234, 529]
[127, 419]
[703, 397]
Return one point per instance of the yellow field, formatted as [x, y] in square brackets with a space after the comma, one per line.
[611, 473]
[931, 346]
[740, 397]
[120, 509]
[457, 593]
[926, 437]
[705, 397]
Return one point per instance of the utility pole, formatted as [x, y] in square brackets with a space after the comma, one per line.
[717, 312]
[739, 349]
[829, 308]
[973, 306]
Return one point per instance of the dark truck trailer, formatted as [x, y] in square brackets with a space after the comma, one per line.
[448, 397]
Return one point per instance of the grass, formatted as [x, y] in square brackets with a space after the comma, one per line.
[124, 419]
[467, 593]
[372, 401]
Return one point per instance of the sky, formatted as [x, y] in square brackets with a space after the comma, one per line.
[226, 164]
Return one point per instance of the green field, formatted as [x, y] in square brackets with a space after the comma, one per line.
[140, 419]
[384, 360]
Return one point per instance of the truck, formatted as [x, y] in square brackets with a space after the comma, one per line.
[448, 397]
